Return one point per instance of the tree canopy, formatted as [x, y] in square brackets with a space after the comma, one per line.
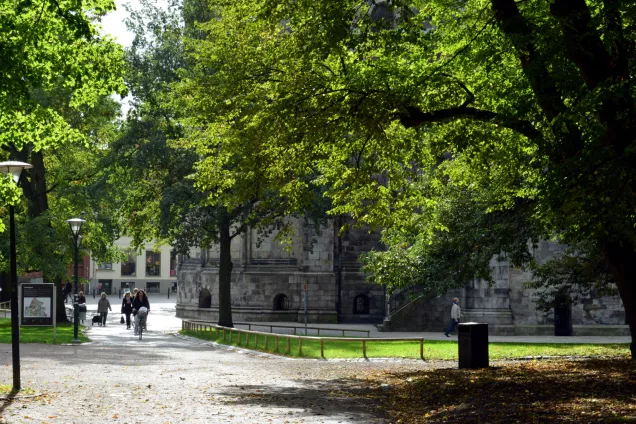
[406, 107]
[56, 76]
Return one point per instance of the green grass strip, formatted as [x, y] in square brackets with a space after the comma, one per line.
[433, 349]
[41, 334]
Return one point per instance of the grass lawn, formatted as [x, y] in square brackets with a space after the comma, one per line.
[40, 334]
[432, 349]
[552, 391]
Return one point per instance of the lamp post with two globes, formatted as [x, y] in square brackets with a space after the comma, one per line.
[15, 170]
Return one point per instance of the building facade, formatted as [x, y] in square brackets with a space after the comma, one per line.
[270, 281]
[154, 269]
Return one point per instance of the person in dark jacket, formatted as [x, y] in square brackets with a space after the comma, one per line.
[81, 301]
[68, 289]
[127, 308]
[141, 300]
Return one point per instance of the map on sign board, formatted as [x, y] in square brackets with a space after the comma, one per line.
[34, 307]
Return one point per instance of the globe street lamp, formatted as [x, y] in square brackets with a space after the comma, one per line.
[15, 169]
[76, 226]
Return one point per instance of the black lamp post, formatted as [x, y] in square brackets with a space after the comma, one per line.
[76, 226]
[15, 169]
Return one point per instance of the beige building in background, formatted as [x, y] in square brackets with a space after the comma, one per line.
[154, 270]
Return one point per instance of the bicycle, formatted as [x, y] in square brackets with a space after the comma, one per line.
[143, 316]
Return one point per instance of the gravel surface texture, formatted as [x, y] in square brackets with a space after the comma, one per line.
[166, 378]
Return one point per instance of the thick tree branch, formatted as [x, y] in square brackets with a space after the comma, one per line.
[519, 33]
[582, 42]
[414, 117]
[616, 37]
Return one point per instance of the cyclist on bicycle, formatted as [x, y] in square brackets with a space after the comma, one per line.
[141, 300]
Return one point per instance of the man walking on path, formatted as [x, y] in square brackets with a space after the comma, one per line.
[456, 313]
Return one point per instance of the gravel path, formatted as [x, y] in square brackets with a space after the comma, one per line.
[170, 379]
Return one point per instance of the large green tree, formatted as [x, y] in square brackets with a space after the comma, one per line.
[533, 97]
[55, 75]
[155, 162]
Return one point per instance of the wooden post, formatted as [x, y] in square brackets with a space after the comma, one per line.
[276, 343]
[231, 337]
[247, 340]
[300, 346]
[422, 349]
[322, 348]
[288, 345]
[265, 341]
[364, 349]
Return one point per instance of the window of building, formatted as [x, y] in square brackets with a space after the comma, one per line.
[152, 287]
[281, 302]
[130, 266]
[104, 266]
[153, 263]
[104, 286]
[361, 304]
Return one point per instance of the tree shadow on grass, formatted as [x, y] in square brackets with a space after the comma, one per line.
[346, 401]
[593, 391]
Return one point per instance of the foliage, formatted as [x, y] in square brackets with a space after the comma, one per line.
[55, 113]
[401, 107]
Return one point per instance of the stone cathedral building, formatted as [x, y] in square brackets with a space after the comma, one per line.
[269, 282]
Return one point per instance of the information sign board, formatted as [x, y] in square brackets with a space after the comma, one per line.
[37, 304]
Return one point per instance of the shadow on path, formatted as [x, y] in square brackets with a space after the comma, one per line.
[313, 397]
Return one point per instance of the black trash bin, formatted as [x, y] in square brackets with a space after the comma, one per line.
[563, 320]
[473, 345]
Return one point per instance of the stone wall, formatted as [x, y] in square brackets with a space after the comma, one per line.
[264, 270]
[509, 308]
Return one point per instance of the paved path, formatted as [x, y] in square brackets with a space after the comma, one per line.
[167, 379]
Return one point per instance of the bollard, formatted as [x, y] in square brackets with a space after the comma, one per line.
[168, 292]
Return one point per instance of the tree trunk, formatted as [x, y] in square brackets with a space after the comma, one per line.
[60, 306]
[225, 270]
[621, 260]
[5, 285]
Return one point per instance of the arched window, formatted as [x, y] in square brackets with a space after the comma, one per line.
[281, 302]
[361, 304]
[205, 298]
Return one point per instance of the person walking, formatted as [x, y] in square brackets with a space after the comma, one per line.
[68, 289]
[81, 301]
[103, 306]
[127, 308]
[456, 313]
